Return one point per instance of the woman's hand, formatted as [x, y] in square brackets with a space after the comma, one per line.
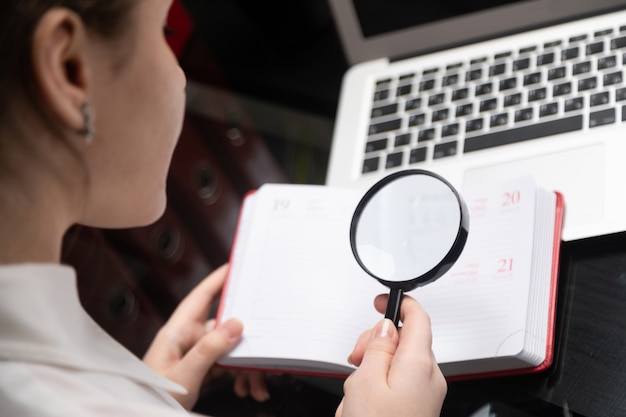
[398, 374]
[187, 346]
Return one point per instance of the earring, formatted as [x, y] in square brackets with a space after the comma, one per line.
[88, 131]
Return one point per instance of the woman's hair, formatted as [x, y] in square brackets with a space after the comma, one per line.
[18, 19]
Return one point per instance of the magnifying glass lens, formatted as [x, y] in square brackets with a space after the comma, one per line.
[409, 229]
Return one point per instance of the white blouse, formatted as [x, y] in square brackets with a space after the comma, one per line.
[56, 361]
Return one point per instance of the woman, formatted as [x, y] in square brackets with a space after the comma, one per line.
[91, 105]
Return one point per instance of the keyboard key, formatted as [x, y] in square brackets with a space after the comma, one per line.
[381, 95]
[443, 150]
[620, 94]
[581, 68]
[394, 160]
[488, 105]
[594, 48]
[460, 94]
[402, 139]
[436, 99]
[464, 110]
[523, 114]
[370, 165]
[602, 33]
[548, 109]
[499, 120]
[527, 49]
[408, 76]
[623, 113]
[404, 90]
[450, 130]
[426, 134]
[521, 64]
[569, 53]
[376, 145]
[587, 84]
[612, 78]
[534, 78]
[577, 38]
[474, 74]
[417, 155]
[573, 104]
[521, 134]
[601, 118]
[607, 62]
[450, 79]
[417, 119]
[385, 126]
[412, 104]
[537, 94]
[427, 85]
[383, 82]
[545, 59]
[483, 89]
[439, 115]
[556, 73]
[478, 60]
[508, 83]
[512, 100]
[454, 66]
[430, 71]
[474, 125]
[497, 69]
[599, 99]
[384, 110]
[618, 43]
[502, 55]
[561, 89]
[551, 44]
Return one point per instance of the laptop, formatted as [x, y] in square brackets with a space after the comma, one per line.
[485, 91]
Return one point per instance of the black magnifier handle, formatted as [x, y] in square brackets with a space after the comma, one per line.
[393, 305]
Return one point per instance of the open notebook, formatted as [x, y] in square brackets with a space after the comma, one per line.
[496, 91]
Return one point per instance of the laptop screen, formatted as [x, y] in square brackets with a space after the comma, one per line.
[372, 29]
[377, 17]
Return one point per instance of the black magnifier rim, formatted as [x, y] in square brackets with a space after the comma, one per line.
[447, 261]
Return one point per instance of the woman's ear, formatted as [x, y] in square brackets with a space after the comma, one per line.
[61, 66]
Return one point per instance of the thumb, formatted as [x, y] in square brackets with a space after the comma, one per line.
[193, 367]
[381, 348]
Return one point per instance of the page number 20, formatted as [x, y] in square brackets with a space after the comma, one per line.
[511, 198]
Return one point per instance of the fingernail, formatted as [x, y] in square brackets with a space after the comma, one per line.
[232, 329]
[350, 360]
[264, 396]
[384, 329]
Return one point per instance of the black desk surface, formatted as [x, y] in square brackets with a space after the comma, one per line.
[588, 377]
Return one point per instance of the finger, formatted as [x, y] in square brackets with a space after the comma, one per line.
[416, 327]
[339, 411]
[380, 303]
[192, 368]
[197, 304]
[356, 357]
[241, 386]
[414, 350]
[258, 387]
[380, 350]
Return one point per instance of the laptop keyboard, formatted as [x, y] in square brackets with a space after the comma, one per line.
[457, 108]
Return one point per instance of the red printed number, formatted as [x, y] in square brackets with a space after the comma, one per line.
[510, 198]
[505, 265]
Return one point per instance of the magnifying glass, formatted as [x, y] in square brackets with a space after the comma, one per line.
[407, 231]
